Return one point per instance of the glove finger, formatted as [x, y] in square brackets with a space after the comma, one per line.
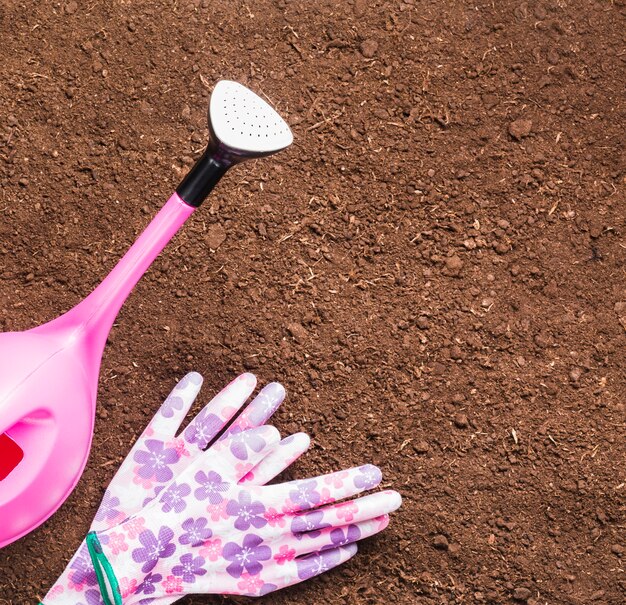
[260, 409]
[308, 525]
[330, 537]
[172, 412]
[302, 568]
[355, 511]
[234, 457]
[310, 493]
[217, 470]
[216, 414]
[279, 459]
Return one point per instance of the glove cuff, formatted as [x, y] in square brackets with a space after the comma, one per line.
[109, 586]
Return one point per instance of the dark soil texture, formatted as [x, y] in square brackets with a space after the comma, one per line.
[435, 269]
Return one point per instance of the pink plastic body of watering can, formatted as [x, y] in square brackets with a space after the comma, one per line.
[49, 375]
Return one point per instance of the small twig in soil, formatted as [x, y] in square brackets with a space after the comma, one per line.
[205, 83]
[325, 121]
[298, 50]
[107, 463]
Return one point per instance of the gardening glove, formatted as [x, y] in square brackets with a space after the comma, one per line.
[254, 539]
[159, 455]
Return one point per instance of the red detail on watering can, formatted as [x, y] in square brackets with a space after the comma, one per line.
[11, 455]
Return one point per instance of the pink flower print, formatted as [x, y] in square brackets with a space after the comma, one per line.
[172, 585]
[243, 468]
[127, 587]
[147, 484]
[336, 479]
[274, 518]
[228, 412]
[117, 543]
[211, 549]
[325, 497]
[56, 591]
[217, 511]
[285, 554]
[383, 521]
[134, 527]
[243, 422]
[149, 432]
[346, 511]
[180, 446]
[248, 477]
[290, 507]
[116, 521]
[251, 584]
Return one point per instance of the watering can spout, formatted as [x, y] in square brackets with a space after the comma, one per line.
[242, 126]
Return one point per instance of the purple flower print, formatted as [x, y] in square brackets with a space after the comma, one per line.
[309, 525]
[108, 507]
[154, 548]
[157, 490]
[173, 497]
[305, 495]
[148, 586]
[244, 440]
[203, 428]
[189, 568]
[370, 477]
[211, 486]
[172, 403]
[196, 532]
[267, 588]
[246, 557]
[339, 538]
[247, 512]
[316, 563]
[93, 597]
[191, 378]
[154, 462]
[82, 569]
[265, 404]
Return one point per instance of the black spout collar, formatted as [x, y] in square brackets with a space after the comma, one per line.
[202, 178]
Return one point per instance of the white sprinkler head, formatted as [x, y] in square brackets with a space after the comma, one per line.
[242, 126]
[244, 123]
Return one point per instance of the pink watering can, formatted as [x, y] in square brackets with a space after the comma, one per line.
[49, 375]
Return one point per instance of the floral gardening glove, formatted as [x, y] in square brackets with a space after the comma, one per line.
[159, 455]
[208, 533]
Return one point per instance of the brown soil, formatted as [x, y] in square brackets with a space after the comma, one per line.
[435, 269]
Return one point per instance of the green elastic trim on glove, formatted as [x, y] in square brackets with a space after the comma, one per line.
[103, 568]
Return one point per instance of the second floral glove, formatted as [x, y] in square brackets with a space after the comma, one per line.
[256, 539]
[159, 455]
